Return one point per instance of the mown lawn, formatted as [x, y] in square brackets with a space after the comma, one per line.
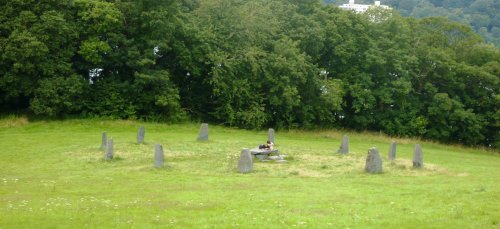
[52, 175]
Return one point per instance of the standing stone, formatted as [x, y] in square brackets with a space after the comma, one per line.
[418, 157]
[373, 161]
[392, 151]
[270, 135]
[245, 164]
[203, 135]
[158, 156]
[109, 150]
[344, 148]
[140, 135]
[104, 140]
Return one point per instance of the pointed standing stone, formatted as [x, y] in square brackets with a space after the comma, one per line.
[203, 135]
[418, 157]
[104, 140]
[140, 135]
[373, 161]
[109, 150]
[270, 135]
[344, 148]
[159, 156]
[245, 164]
[392, 151]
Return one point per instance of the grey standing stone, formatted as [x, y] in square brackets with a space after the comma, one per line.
[373, 161]
[159, 156]
[140, 135]
[203, 135]
[245, 164]
[270, 135]
[392, 151]
[418, 157]
[109, 150]
[344, 148]
[104, 140]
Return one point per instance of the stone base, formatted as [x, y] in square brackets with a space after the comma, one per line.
[263, 154]
[277, 158]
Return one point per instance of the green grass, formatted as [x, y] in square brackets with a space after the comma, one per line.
[52, 175]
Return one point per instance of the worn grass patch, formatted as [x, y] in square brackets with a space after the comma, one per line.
[13, 121]
[329, 165]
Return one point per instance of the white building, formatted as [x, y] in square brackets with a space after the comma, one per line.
[361, 8]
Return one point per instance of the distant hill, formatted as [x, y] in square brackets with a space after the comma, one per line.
[482, 15]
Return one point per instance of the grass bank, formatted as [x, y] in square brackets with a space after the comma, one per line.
[52, 175]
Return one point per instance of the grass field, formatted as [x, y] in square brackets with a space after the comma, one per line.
[52, 175]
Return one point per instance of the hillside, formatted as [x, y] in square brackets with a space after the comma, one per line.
[482, 15]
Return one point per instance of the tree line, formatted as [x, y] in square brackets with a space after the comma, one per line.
[250, 64]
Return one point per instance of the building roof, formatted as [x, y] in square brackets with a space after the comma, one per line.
[361, 8]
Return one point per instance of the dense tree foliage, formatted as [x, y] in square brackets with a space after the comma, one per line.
[250, 64]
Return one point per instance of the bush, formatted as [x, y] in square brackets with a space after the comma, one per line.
[58, 96]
